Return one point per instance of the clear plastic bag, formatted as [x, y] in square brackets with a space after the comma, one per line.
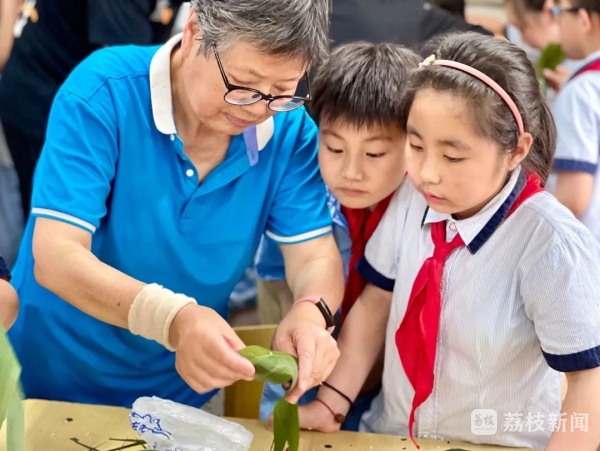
[169, 426]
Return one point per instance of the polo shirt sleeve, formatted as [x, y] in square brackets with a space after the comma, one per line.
[77, 165]
[4, 272]
[269, 260]
[378, 265]
[561, 296]
[299, 211]
[577, 116]
[116, 22]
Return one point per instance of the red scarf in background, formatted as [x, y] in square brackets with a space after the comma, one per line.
[361, 223]
[416, 338]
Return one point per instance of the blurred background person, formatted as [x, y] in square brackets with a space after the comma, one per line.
[51, 38]
[11, 218]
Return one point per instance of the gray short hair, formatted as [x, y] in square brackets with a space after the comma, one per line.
[297, 28]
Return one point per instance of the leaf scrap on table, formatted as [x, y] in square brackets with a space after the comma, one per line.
[127, 443]
[278, 368]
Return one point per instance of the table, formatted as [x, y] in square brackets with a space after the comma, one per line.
[50, 425]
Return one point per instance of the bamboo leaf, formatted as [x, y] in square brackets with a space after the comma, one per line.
[272, 366]
[11, 408]
[550, 57]
[278, 368]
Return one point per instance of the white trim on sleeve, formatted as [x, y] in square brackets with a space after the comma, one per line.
[47, 213]
[299, 238]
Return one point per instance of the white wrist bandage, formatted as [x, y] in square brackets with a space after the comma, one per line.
[152, 313]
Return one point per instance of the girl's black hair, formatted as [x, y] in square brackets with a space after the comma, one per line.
[508, 66]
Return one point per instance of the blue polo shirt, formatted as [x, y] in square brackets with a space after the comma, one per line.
[114, 166]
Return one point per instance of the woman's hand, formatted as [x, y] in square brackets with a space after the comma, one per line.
[206, 350]
[302, 333]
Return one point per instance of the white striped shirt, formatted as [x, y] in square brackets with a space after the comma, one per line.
[520, 303]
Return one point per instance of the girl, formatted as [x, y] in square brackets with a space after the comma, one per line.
[497, 287]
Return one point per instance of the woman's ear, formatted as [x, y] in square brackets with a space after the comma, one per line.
[520, 152]
[191, 32]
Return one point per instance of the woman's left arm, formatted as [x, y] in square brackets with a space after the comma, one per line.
[313, 268]
[582, 403]
[301, 223]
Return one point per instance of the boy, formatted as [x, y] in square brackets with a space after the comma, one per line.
[577, 113]
[357, 105]
[9, 302]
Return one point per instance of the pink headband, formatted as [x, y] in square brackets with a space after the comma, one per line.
[431, 61]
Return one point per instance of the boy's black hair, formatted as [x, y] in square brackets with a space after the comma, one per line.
[361, 83]
[509, 67]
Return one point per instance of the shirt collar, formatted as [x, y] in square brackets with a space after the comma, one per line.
[594, 56]
[160, 87]
[477, 229]
[585, 62]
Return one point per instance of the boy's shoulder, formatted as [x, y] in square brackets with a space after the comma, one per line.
[584, 80]
[580, 92]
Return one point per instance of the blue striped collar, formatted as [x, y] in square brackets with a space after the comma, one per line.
[335, 208]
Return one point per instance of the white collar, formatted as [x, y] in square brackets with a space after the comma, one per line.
[160, 87]
[469, 228]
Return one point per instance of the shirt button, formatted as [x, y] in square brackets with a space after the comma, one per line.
[172, 137]
[189, 172]
[452, 226]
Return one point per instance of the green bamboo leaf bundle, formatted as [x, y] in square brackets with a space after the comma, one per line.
[11, 409]
[278, 368]
[550, 57]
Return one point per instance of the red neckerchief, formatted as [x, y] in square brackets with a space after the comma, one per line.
[416, 338]
[361, 223]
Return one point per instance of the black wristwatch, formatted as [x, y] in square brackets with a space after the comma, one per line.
[323, 308]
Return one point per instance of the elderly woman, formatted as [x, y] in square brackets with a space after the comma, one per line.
[161, 170]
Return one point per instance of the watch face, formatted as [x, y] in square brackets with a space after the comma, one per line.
[329, 321]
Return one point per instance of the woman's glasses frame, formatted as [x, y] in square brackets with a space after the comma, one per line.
[293, 101]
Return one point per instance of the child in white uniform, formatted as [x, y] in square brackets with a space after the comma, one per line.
[496, 285]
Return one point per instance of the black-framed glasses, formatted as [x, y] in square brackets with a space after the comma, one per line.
[242, 95]
[557, 10]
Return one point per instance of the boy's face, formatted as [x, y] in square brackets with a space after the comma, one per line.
[362, 166]
[572, 32]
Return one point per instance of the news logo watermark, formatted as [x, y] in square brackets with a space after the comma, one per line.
[486, 422]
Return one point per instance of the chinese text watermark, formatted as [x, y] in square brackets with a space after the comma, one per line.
[485, 422]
